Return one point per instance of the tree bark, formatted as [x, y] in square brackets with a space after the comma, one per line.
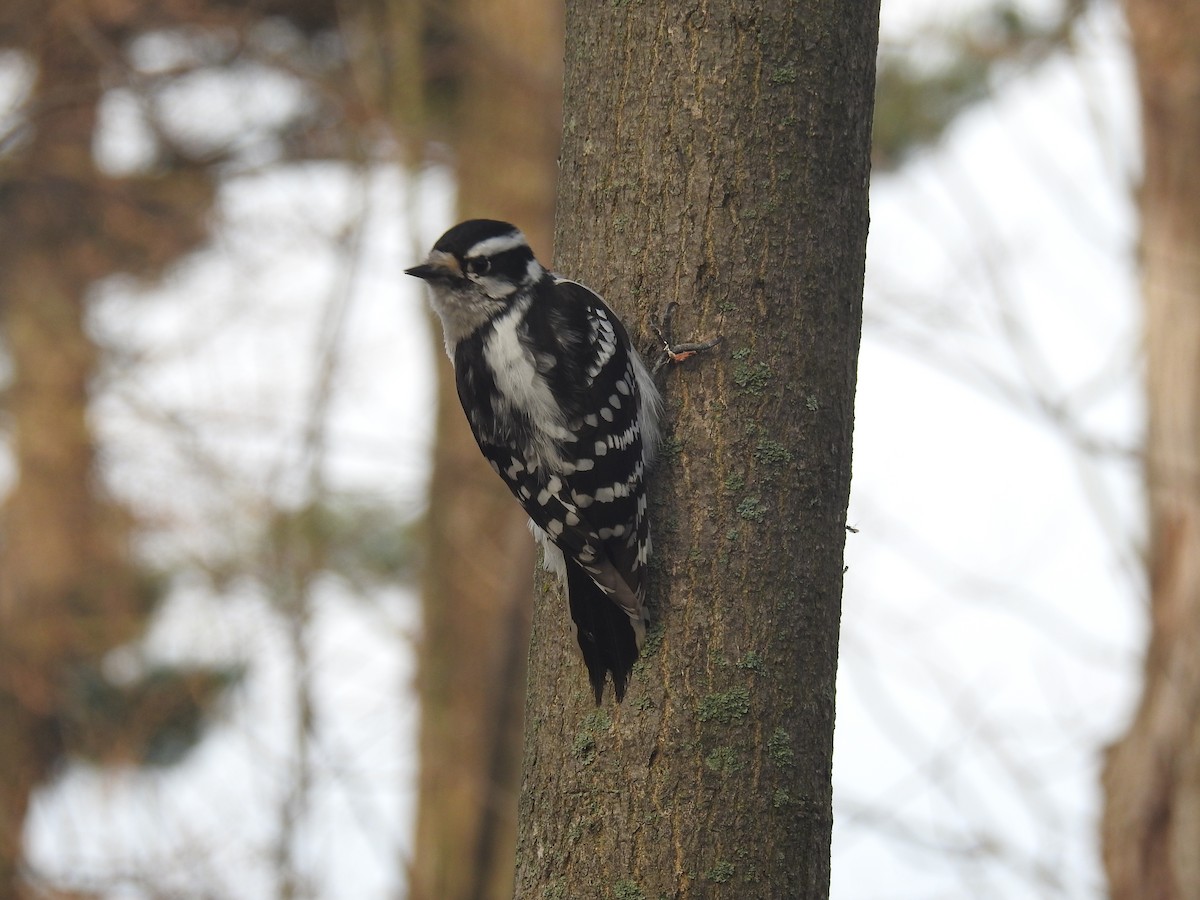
[1151, 823]
[478, 581]
[714, 155]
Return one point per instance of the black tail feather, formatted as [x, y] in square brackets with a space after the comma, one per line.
[606, 636]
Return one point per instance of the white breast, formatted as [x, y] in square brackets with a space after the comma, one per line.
[523, 389]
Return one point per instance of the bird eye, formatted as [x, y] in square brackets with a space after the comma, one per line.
[479, 265]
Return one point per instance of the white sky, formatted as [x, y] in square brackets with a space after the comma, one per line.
[992, 622]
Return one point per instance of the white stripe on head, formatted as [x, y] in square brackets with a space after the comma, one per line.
[501, 243]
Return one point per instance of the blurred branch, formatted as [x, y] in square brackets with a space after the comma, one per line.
[921, 91]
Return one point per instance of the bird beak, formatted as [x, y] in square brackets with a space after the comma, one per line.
[425, 271]
[438, 266]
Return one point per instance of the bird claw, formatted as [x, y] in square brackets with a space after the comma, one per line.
[676, 353]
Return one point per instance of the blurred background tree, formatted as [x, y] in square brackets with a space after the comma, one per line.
[379, 84]
[73, 590]
[1151, 824]
[477, 581]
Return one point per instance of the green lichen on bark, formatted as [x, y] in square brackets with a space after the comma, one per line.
[725, 707]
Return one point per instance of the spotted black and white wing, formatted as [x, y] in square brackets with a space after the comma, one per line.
[566, 412]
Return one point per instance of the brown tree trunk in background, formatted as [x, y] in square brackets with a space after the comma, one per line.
[1151, 825]
[716, 155]
[478, 583]
[66, 587]
[70, 588]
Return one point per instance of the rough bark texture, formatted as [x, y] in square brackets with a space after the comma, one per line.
[479, 575]
[1151, 827]
[715, 155]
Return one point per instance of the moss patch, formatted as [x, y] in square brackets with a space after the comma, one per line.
[721, 872]
[779, 748]
[772, 453]
[723, 761]
[752, 509]
[583, 747]
[750, 662]
[724, 708]
[749, 378]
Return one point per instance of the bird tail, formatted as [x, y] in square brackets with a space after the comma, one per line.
[605, 632]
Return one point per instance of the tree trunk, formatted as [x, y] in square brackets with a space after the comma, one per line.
[1151, 825]
[66, 588]
[715, 155]
[478, 581]
[70, 587]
